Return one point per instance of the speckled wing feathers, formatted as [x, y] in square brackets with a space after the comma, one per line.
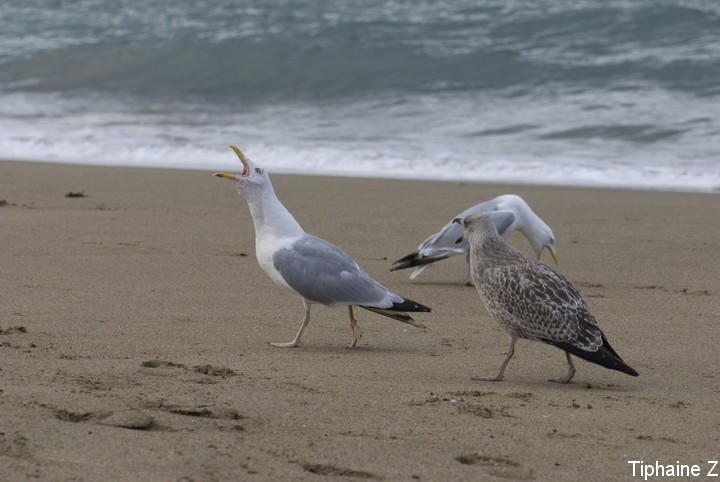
[533, 301]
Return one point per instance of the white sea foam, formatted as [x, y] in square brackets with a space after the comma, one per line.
[424, 137]
[571, 93]
[381, 160]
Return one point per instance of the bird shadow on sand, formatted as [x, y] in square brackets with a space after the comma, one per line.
[460, 284]
[573, 386]
[340, 349]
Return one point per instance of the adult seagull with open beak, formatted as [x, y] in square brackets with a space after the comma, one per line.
[315, 269]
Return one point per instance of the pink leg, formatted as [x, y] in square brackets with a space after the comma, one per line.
[356, 331]
[571, 371]
[296, 340]
[500, 375]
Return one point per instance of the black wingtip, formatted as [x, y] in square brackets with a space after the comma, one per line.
[605, 356]
[630, 371]
[395, 315]
[413, 260]
[404, 262]
[621, 365]
[397, 311]
[410, 305]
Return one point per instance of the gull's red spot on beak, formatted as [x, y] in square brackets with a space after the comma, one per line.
[243, 159]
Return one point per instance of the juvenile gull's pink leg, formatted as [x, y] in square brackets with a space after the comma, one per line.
[500, 375]
[571, 371]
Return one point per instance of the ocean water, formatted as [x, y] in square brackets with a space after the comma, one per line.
[564, 92]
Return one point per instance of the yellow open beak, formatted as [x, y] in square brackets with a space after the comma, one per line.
[232, 177]
[243, 159]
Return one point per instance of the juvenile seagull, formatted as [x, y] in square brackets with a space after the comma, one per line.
[531, 300]
[442, 244]
[315, 269]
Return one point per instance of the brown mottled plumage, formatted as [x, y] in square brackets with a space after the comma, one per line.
[531, 300]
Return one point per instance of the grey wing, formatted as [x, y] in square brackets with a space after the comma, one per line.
[505, 224]
[542, 304]
[323, 273]
[444, 242]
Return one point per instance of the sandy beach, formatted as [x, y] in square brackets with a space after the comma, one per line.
[135, 321]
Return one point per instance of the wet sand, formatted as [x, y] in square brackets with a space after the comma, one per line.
[135, 322]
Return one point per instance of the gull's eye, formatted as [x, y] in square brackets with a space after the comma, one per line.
[258, 170]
